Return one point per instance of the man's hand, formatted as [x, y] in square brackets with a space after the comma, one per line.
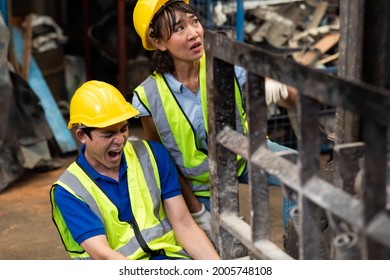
[203, 219]
[274, 91]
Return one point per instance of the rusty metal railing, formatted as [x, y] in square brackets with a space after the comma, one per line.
[358, 219]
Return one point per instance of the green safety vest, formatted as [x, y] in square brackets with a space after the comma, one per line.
[170, 120]
[150, 225]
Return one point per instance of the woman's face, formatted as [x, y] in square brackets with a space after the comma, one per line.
[186, 41]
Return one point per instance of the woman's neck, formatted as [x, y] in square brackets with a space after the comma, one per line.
[188, 75]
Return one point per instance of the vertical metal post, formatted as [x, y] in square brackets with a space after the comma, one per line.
[350, 63]
[87, 44]
[240, 21]
[122, 51]
[257, 125]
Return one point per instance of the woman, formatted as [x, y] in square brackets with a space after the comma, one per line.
[172, 100]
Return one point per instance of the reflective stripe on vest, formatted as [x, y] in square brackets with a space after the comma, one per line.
[157, 97]
[193, 163]
[159, 231]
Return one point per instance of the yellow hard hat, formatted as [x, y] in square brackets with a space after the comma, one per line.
[99, 104]
[143, 14]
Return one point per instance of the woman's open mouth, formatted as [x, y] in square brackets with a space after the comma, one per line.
[196, 45]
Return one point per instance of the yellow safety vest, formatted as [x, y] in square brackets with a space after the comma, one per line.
[170, 120]
[150, 219]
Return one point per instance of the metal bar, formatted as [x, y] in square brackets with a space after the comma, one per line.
[122, 51]
[222, 162]
[346, 165]
[318, 190]
[324, 194]
[257, 120]
[87, 44]
[350, 64]
[376, 63]
[347, 209]
[260, 249]
[374, 184]
[379, 228]
[309, 142]
[322, 87]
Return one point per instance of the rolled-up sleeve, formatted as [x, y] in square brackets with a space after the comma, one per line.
[139, 106]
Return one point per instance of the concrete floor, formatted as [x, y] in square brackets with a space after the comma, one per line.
[28, 233]
[26, 228]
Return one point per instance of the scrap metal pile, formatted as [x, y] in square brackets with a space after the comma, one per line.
[307, 30]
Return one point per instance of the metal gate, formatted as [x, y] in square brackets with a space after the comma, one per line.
[357, 212]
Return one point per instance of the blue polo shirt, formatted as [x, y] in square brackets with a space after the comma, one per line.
[79, 218]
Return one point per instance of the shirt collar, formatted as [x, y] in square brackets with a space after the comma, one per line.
[174, 84]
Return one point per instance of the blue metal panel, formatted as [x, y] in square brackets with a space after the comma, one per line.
[38, 84]
[3, 8]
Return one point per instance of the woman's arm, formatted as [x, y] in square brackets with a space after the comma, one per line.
[193, 204]
[151, 133]
[279, 93]
[150, 129]
[291, 101]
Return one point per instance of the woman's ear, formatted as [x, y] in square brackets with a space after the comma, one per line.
[159, 44]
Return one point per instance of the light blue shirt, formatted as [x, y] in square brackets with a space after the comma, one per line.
[189, 102]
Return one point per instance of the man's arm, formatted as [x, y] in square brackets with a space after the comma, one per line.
[97, 247]
[187, 232]
[198, 211]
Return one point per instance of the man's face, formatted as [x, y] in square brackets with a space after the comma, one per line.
[104, 149]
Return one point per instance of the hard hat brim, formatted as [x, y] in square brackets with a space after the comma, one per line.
[143, 14]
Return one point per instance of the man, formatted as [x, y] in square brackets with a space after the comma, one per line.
[121, 199]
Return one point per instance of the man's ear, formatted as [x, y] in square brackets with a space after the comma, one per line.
[80, 134]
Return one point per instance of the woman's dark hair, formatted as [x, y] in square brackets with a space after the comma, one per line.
[162, 61]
